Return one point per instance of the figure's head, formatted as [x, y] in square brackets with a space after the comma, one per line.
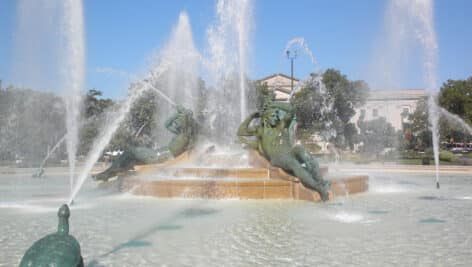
[271, 117]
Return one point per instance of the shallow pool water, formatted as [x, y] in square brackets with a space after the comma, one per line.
[402, 221]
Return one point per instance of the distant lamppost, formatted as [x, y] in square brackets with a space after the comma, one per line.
[291, 56]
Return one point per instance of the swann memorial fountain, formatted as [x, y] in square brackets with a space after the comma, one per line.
[277, 168]
[401, 220]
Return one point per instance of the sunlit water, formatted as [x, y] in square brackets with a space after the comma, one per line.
[402, 221]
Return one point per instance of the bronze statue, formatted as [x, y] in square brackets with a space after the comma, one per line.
[58, 249]
[273, 137]
[182, 124]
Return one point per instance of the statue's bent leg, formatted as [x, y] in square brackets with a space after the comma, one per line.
[124, 162]
[311, 164]
[146, 155]
[293, 166]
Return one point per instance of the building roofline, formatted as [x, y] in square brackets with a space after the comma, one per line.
[401, 94]
[278, 74]
[283, 90]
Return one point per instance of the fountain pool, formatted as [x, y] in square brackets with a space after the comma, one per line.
[401, 221]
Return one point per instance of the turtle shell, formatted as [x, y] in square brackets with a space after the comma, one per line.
[53, 250]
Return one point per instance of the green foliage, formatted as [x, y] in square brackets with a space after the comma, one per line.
[446, 156]
[263, 93]
[30, 122]
[419, 126]
[142, 118]
[327, 103]
[137, 129]
[306, 139]
[94, 113]
[94, 105]
[456, 97]
[346, 95]
[376, 135]
[309, 104]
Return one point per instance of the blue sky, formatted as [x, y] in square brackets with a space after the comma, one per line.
[122, 34]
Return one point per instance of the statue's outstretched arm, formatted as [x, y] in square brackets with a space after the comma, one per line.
[244, 129]
[170, 124]
[253, 144]
[287, 107]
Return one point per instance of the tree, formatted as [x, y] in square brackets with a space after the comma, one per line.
[262, 92]
[456, 97]
[142, 118]
[376, 135]
[310, 105]
[327, 103]
[419, 125]
[30, 123]
[94, 105]
[93, 117]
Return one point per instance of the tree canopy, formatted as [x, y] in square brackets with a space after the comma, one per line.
[376, 135]
[327, 103]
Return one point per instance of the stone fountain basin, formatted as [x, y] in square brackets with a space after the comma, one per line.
[257, 183]
[262, 181]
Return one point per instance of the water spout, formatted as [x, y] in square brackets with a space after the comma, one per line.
[73, 75]
[114, 122]
[456, 120]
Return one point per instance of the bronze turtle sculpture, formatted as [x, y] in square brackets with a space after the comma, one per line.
[55, 250]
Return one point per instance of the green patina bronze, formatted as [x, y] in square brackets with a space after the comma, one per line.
[56, 250]
[182, 124]
[271, 133]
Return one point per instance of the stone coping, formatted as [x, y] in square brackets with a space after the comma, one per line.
[239, 189]
[240, 173]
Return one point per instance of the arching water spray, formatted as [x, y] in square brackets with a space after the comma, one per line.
[40, 171]
[298, 44]
[113, 123]
[456, 120]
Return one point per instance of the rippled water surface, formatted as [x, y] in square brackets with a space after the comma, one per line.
[402, 221]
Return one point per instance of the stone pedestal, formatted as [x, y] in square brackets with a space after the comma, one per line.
[263, 181]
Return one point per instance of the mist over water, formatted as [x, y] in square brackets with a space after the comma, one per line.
[113, 122]
[226, 64]
[455, 120]
[181, 79]
[409, 32]
[174, 76]
[49, 54]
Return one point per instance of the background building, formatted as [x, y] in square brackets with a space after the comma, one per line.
[281, 85]
[390, 104]
[393, 105]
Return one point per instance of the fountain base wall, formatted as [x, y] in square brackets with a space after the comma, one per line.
[241, 188]
[262, 181]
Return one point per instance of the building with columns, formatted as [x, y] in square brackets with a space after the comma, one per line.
[281, 85]
[390, 104]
